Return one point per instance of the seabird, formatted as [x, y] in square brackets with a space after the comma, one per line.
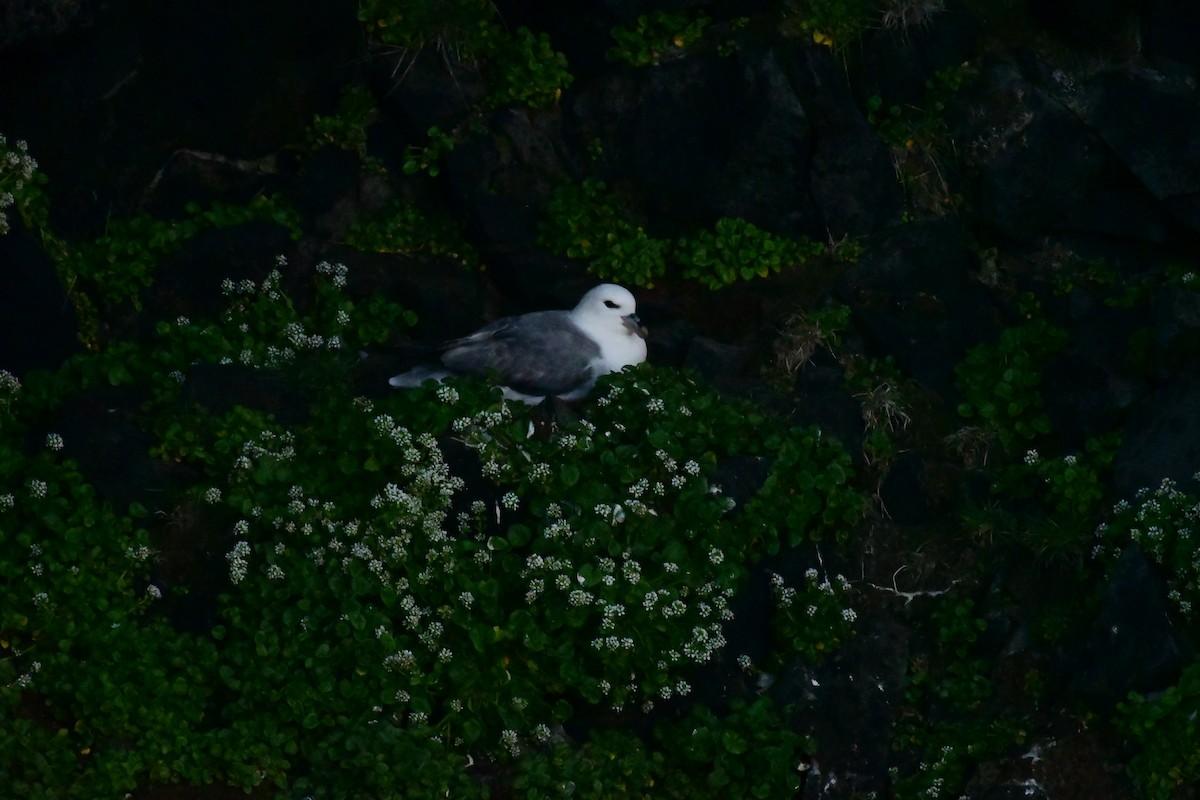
[547, 353]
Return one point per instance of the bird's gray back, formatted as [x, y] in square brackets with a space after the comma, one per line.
[542, 353]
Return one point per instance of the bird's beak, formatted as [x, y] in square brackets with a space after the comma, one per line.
[635, 325]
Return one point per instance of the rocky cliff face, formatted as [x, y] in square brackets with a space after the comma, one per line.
[1001, 198]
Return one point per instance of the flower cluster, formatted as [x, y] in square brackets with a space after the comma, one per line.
[10, 387]
[1165, 523]
[816, 617]
[17, 170]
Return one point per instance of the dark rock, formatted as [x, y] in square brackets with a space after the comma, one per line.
[853, 182]
[740, 477]
[669, 339]
[1170, 29]
[432, 87]
[766, 177]
[25, 20]
[914, 299]
[1164, 156]
[38, 327]
[1120, 212]
[191, 177]
[1088, 389]
[325, 192]
[1028, 789]
[1028, 181]
[99, 427]
[189, 282]
[1082, 399]
[535, 280]
[1086, 23]
[822, 399]
[506, 223]
[150, 79]
[664, 130]
[700, 139]
[505, 176]
[220, 388]
[714, 361]
[1134, 647]
[854, 696]
[1176, 315]
[66, 84]
[895, 62]
[240, 80]
[190, 542]
[1162, 436]
[903, 491]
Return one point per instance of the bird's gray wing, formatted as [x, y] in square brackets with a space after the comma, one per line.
[538, 354]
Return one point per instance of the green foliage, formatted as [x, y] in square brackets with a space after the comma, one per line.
[400, 227]
[748, 752]
[1166, 732]
[378, 625]
[1162, 521]
[899, 127]
[813, 621]
[957, 629]
[888, 122]
[263, 328]
[115, 268]
[751, 752]
[1074, 481]
[111, 678]
[657, 37]
[584, 222]
[949, 725]
[999, 382]
[805, 495]
[444, 22]
[518, 66]
[525, 69]
[832, 23]
[1052, 505]
[425, 159]
[736, 249]
[920, 140]
[347, 129]
[1183, 276]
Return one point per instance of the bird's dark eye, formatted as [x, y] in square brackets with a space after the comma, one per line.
[611, 304]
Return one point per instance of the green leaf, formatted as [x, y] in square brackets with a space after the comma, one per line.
[569, 474]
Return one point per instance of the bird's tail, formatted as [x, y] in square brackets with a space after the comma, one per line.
[416, 376]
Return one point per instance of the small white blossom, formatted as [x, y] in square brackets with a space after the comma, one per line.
[237, 561]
